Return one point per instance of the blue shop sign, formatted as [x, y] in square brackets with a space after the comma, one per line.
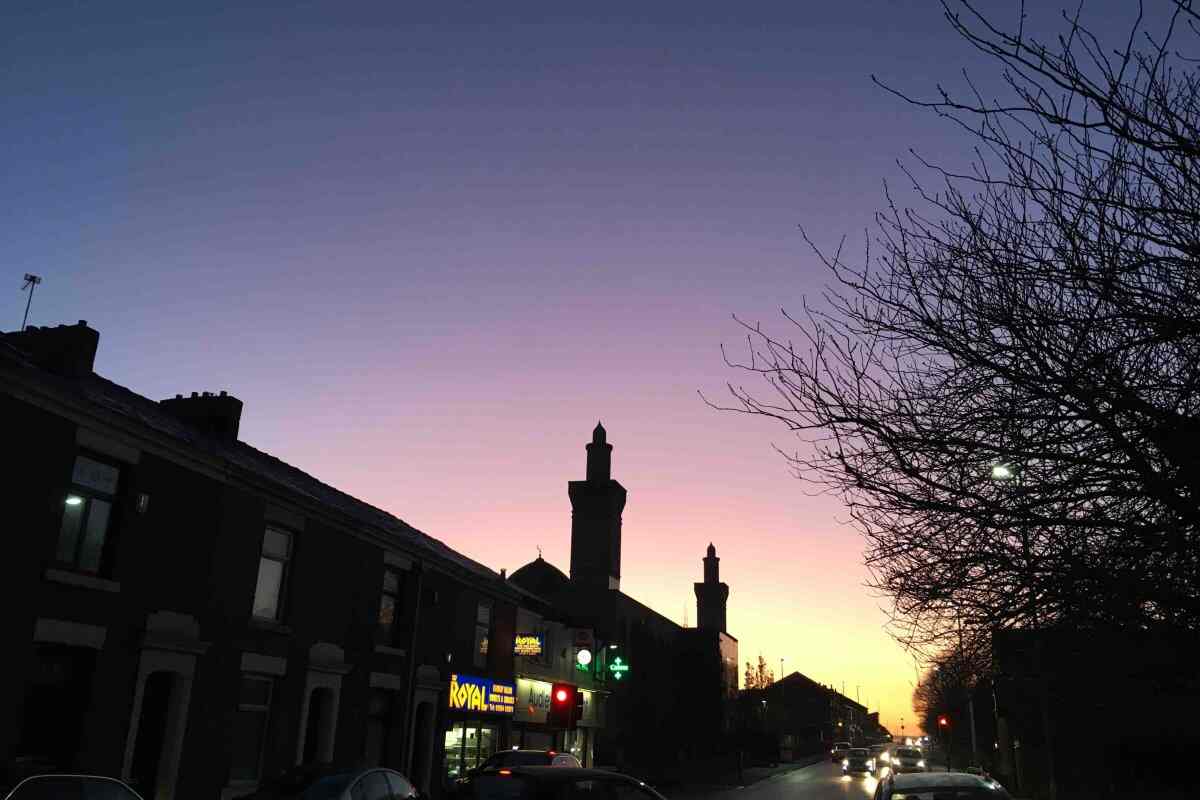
[471, 693]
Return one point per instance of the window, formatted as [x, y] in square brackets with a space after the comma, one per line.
[272, 574]
[104, 789]
[483, 627]
[57, 698]
[47, 787]
[467, 746]
[87, 514]
[389, 600]
[250, 727]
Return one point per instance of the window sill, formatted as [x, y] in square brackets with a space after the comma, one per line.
[269, 625]
[390, 651]
[82, 580]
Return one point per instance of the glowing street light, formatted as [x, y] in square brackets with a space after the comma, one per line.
[1003, 472]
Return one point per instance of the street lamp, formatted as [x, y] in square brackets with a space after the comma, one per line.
[1003, 472]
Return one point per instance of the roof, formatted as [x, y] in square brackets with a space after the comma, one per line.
[102, 393]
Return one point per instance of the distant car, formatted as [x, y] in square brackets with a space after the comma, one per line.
[536, 783]
[839, 751]
[529, 758]
[858, 759]
[881, 753]
[71, 787]
[329, 782]
[936, 785]
[907, 759]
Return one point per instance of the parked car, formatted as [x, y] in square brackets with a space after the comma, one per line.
[330, 782]
[839, 751]
[936, 785]
[907, 759]
[858, 759]
[535, 783]
[529, 758]
[71, 787]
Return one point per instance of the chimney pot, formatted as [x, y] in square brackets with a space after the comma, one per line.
[224, 393]
[82, 323]
[218, 416]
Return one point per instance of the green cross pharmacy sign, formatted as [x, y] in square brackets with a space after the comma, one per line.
[618, 668]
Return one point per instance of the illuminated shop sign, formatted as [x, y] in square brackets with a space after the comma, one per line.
[469, 693]
[618, 668]
[533, 700]
[527, 644]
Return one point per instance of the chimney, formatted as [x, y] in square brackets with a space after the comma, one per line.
[68, 350]
[218, 415]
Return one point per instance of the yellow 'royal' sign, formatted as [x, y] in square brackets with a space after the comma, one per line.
[469, 693]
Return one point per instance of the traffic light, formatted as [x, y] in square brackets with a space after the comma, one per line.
[943, 721]
[562, 706]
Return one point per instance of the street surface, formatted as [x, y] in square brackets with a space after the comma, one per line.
[820, 781]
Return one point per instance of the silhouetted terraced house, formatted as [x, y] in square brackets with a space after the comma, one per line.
[192, 614]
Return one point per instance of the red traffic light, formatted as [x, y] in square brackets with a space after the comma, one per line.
[943, 721]
[560, 695]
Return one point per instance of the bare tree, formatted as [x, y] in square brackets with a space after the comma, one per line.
[1005, 391]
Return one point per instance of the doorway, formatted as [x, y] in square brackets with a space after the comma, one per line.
[318, 731]
[149, 748]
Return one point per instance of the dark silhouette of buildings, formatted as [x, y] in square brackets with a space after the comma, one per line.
[678, 680]
[195, 615]
[712, 595]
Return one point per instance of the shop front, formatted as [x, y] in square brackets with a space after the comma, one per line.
[531, 730]
[480, 714]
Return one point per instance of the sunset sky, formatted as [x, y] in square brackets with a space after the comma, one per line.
[429, 245]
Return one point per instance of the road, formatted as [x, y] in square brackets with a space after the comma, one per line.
[821, 781]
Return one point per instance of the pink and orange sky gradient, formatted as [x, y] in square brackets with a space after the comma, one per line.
[429, 245]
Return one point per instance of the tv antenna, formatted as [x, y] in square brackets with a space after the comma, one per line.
[31, 282]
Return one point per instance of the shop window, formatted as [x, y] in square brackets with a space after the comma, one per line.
[467, 746]
[88, 516]
[249, 732]
[389, 603]
[273, 563]
[483, 628]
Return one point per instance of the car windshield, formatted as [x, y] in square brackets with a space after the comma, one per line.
[906, 752]
[858, 752]
[842, 746]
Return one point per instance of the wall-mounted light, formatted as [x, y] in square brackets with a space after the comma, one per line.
[74, 500]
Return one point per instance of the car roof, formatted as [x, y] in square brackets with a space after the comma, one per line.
[41, 775]
[569, 773]
[935, 780]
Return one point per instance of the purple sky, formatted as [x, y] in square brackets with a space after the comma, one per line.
[430, 248]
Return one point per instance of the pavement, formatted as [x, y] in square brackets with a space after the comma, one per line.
[820, 781]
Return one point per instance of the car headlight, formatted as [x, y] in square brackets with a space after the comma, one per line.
[921, 763]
